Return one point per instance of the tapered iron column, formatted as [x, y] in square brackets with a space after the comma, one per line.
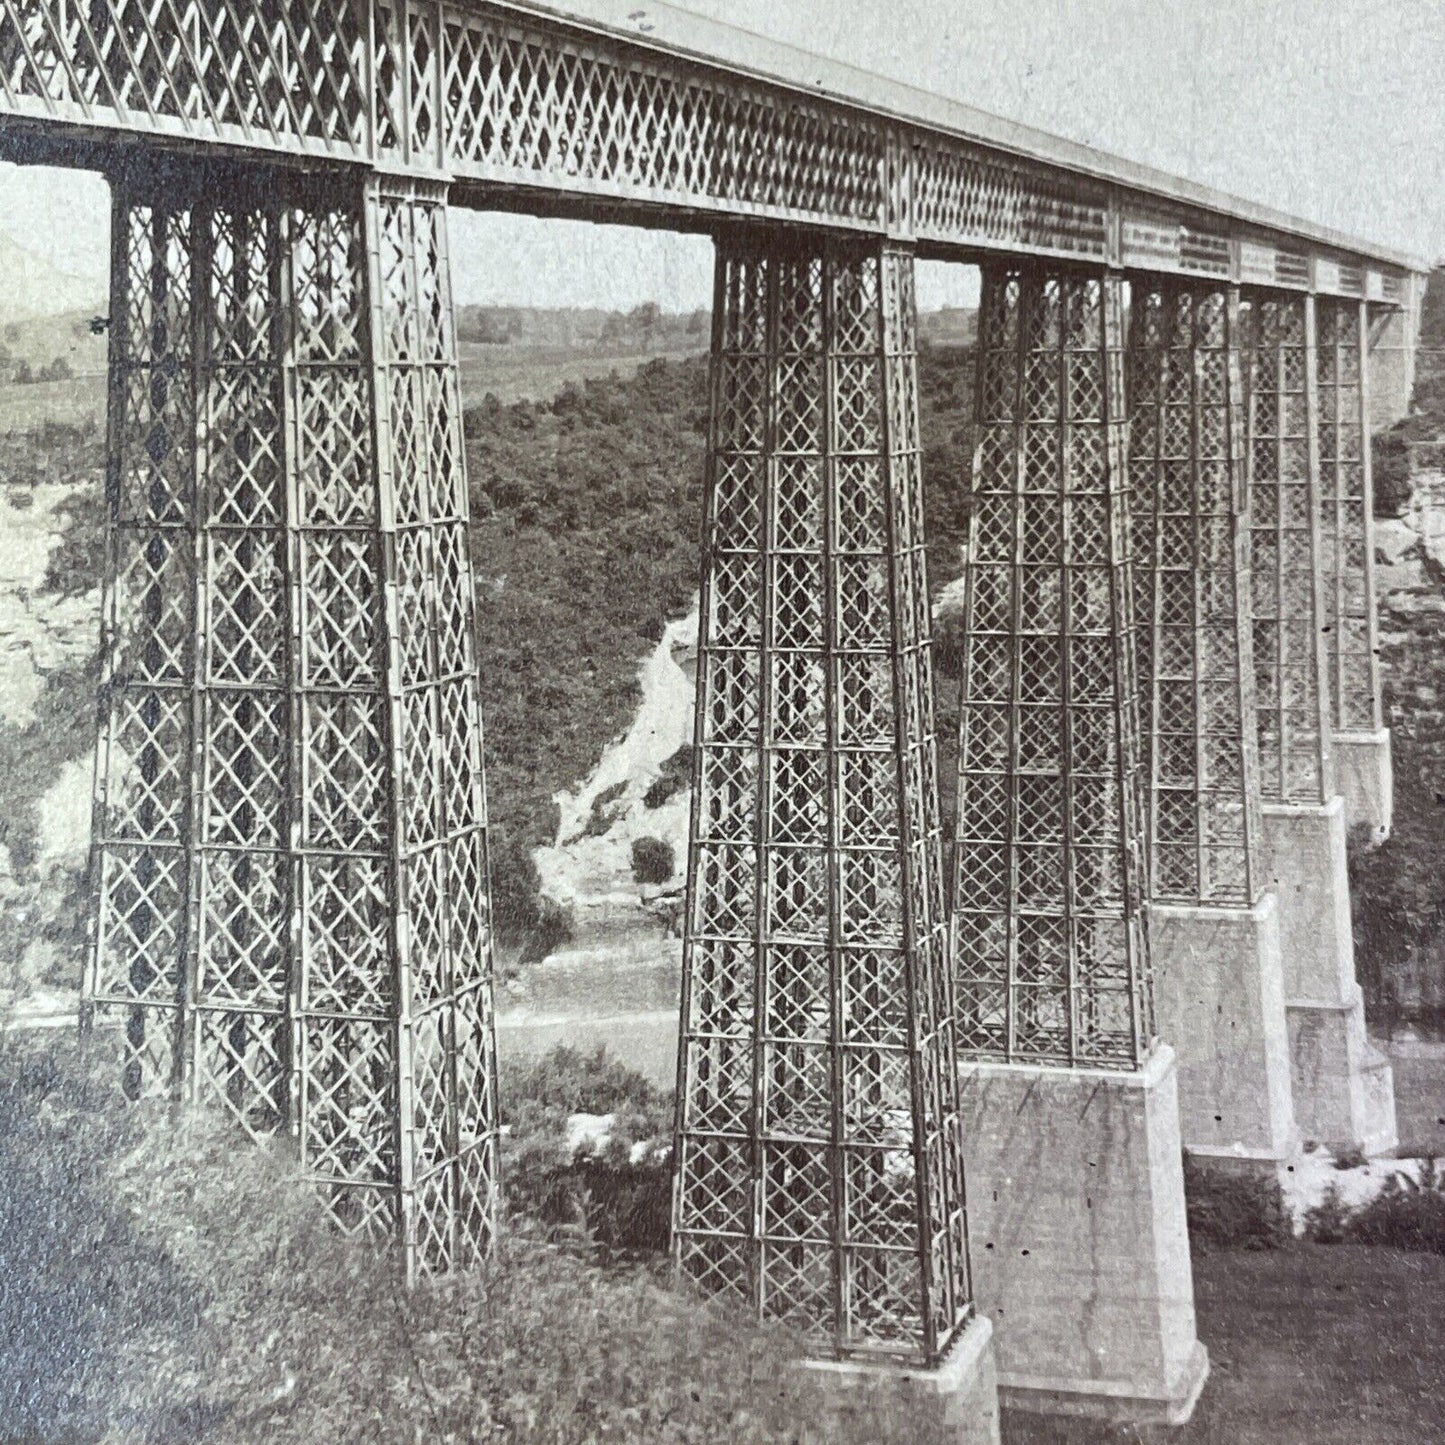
[819, 1176]
[1214, 932]
[1288, 579]
[1342, 1089]
[290, 827]
[1361, 742]
[1052, 949]
[1056, 1006]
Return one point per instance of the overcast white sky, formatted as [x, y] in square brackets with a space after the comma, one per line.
[1330, 109]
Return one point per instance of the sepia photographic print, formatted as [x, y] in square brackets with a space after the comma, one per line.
[722, 723]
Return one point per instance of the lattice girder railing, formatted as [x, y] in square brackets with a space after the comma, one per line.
[819, 1176]
[1050, 944]
[1286, 552]
[290, 820]
[492, 95]
[1347, 558]
[1191, 549]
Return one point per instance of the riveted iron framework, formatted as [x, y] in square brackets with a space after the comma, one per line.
[1048, 927]
[576, 110]
[1191, 538]
[1353, 677]
[818, 1168]
[290, 817]
[1284, 514]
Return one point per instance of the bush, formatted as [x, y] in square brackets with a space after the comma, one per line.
[948, 641]
[1328, 1221]
[1391, 473]
[1405, 1215]
[675, 774]
[599, 1194]
[605, 810]
[1233, 1211]
[576, 1082]
[524, 919]
[652, 860]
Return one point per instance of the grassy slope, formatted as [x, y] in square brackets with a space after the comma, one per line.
[162, 1283]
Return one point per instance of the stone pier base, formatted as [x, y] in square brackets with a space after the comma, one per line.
[1078, 1238]
[1365, 777]
[1219, 996]
[1343, 1089]
[959, 1399]
[1346, 1085]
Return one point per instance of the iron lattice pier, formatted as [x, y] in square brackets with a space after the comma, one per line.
[1048, 928]
[1191, 541]
[819, 1175]
[1288, 585]
[1352, 646]
[290, 821]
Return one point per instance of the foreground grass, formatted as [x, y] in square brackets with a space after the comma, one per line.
[161, 1280]
[1309, 1345]
[171, 1283]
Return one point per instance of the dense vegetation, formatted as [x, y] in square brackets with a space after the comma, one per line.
[586, 522]
[1398, 890]
[158, 1283]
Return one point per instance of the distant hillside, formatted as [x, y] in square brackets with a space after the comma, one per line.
[949, 326]
[40, 340]
[35, 287]
[648, 328]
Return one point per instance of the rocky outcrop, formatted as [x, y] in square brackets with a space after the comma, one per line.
[639, 790]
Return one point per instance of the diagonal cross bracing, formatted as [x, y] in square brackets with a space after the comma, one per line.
[819, 1176]
[573, 108]
[1050, 946]
[290, 821]
[1191, 539]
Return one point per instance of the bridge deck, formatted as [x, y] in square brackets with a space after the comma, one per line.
[652, 115]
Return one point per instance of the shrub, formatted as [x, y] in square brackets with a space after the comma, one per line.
[1405, 1215]
[601, 1195]
[163, 1282]
[676, 774]
[1233, 1211]
[603, 813]
[948, 640]
[1391, 473]
[653, 860]
[553, 927]
[576, 1081]
[1328, 1221]
[524, 918]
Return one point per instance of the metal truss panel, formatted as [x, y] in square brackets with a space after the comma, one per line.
[290, 822]
[819, 1174]
[1191, 545]
[1284, 514]
[1353, 678]
[1048, 920]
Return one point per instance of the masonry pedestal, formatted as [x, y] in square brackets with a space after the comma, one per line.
[1219, 1000]
[1343, 1090]
[959, 1399]
[1078, 1238]
[1363, 773]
